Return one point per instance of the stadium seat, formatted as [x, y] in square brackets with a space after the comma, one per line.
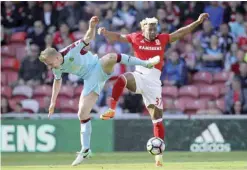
[210, 92]
[66, 92]
[202, 78]
[20, 50]
[221, 104]
[10, 64]
[11, 77]
[192, 106]
[221, 77]
[41, 101]
[18, 37]
[223, 90]
[6, 91]
[200, 85]
[78, 91]
[170, 92]
[42, 90]
[67, 105]
[30, 105]
[180, 104]
[188, 92]
[22, 92]
[7, 51]
[4, 80]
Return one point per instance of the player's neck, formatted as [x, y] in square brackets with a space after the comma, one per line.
[147, 39]
[61, 60]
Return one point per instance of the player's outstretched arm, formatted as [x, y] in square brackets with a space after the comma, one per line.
[55, 90]
[187, 29]
[112, 36]
[90, 34]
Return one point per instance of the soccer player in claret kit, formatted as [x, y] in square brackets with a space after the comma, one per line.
[95, 72]
[146, 81]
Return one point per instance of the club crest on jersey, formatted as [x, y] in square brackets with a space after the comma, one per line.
[71, 59]
[157, 41]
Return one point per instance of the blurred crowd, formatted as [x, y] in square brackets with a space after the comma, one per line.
[205, 71]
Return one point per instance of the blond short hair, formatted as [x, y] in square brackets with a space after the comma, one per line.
[147, 21]
[46, 53]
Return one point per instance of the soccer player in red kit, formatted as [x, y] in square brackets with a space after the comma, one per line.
[146, 81]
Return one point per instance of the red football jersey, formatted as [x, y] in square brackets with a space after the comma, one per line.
[145, 49]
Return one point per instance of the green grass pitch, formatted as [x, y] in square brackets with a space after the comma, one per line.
[126, 161]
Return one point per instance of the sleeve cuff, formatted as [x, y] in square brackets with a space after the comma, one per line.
[86, 44]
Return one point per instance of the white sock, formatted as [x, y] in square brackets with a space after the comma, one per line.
[86, 130]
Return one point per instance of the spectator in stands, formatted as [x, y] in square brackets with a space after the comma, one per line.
[49, 17]
[71, 14]
[212, 59]
[243, 75]
[170, 108]
[236, 98]
[9, 15]
[147, 10]
[237, 27]
[206, 34]
[231, 56]
[190, 57]
[163, 26]
[174, 71]
[32, 70]
[59, 5]
[107, 22]
[211, 109]
[126, 15]
[63, 37]
[49, 41]
[5, 108]
[83, 26]
[235, 66]
[216, 13]
[29, 12]
[197, 49]
[230, 11]
[242, 41]
[38, 34]
[191, 10]
[172, 14]
[225, 38]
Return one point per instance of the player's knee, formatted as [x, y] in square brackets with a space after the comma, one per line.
[82, 115]
[111, 57]
[158, 113]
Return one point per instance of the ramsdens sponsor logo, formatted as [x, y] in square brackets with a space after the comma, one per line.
[150, 48]
[211, 140]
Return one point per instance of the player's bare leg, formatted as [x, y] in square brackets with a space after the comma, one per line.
[86, 104]
[125, 80]
[158, 128]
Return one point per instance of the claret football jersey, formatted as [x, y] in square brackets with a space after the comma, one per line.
[145, 49]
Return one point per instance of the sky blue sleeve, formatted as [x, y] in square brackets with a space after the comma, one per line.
[78, 47]
[57, 74]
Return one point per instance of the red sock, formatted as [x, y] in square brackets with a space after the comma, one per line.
[159, 130]
[117, 91]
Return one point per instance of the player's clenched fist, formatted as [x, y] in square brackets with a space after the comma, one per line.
[51, 109]
[93, 21]
[102, 31]
[203, 17]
